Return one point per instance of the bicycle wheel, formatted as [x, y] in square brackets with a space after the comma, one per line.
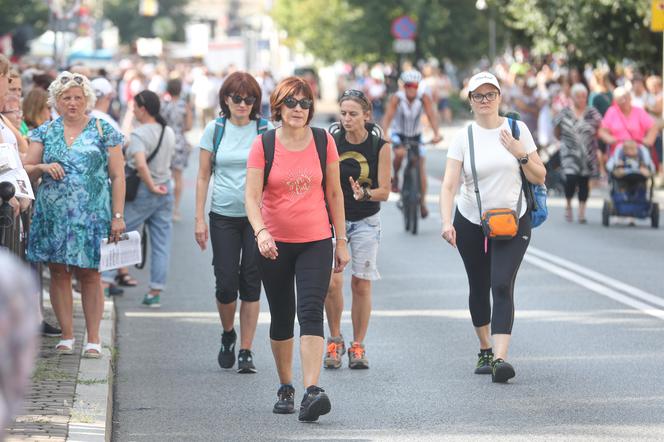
[405, 199]
[414, 197]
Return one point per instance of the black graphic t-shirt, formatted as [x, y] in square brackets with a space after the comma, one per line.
[361, 162]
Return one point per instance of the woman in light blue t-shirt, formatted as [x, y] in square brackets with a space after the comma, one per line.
[233, 245]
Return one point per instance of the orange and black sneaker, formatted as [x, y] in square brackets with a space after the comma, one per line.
[357, 357]
[335, 349]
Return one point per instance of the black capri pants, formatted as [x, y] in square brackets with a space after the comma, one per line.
[234, 259]
[493, 271]
[307, 265]
[572, 182]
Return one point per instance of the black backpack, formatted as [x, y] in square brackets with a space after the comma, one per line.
[337, 131]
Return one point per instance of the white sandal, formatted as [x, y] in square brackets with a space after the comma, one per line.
[65, 346]
[92, 351]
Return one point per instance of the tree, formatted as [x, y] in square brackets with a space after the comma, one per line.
[22, 13]
[124, 14]
[586, 30]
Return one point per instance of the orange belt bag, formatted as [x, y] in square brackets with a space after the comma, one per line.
[500, 223]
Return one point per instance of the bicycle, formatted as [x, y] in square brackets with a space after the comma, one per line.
[411, 190]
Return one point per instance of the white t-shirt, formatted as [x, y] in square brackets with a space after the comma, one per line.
[498, 174]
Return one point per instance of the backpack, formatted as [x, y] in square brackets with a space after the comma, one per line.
[535, 193]
[220, 125]
[375, 132]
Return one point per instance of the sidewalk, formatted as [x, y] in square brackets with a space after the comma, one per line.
[70, 398]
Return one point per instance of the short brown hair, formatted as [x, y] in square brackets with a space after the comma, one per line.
[33, 104]
[240, 83]
[289, 87]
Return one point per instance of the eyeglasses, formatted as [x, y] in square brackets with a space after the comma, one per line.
[355, 93]
[17, 112]
[75, 78]
[249, 101]
[304, 103]
[411, 85]
[479, 98]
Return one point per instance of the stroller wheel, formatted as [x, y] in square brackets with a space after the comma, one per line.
[607, 208]
[654, 216]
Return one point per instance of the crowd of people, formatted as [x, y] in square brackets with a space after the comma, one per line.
[292, 206]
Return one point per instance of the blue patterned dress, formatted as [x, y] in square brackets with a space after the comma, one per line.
[73, 215]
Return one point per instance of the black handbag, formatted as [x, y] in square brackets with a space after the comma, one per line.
[132, 180]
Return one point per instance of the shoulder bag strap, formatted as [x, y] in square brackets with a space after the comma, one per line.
[472, 167]
[161, 137]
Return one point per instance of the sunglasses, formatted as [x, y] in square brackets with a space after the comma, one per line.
[479, 98]
[249, 101]
[304, 103]
[78, 79]
[411, 85]
[355, 93]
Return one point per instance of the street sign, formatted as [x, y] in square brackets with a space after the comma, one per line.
[403, 46]
[403, 28]
[657, 24]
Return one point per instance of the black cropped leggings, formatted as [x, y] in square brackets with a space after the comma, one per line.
[493, 271]
[307, 265]
[573, 182]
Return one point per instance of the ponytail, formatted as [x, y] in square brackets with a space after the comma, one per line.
[160, 119]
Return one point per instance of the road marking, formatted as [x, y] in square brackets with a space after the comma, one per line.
[597, 282]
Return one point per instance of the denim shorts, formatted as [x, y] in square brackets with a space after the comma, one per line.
[363, 240]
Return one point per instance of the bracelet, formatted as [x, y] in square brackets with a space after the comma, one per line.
[342, 238]
[259, 232]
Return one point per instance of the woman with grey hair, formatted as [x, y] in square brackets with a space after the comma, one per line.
[576, 127]
[76, 155]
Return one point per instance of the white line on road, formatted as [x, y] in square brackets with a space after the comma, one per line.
[600, 284]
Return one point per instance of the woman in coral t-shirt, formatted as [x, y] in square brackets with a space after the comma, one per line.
[292, 229]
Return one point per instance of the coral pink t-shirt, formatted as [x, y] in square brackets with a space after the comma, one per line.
[633, 127]
[293, 202]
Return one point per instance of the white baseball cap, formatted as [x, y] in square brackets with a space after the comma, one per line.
[478, 80]
[102, 87]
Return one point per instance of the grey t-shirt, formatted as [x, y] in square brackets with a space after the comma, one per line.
[145, 139]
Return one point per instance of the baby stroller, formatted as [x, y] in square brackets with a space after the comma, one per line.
[631, 196]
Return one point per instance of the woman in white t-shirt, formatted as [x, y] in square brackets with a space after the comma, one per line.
[491, 266]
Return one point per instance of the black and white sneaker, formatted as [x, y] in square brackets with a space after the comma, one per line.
[245, 362]
[501, 371]
[226, 356]
[286, 402]
[49, 330]
[315, 403]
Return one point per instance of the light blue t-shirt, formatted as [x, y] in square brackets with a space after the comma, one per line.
[230, 169]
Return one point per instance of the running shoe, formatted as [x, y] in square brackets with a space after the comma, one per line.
[502, 371]
[226, 356]
[286, 402]
[245, 361]
[49, 330]
[335, 350]
[357, 357]
[484, 361]
[315, 403]
[151, 301]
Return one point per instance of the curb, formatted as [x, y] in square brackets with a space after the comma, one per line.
[92, 412]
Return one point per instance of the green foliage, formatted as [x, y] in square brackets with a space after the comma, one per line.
[16, 13]
[124, 15]
[588, 30]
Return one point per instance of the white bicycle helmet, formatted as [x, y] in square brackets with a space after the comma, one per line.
[411, 76]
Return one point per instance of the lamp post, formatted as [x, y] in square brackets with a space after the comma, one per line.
[481, 6]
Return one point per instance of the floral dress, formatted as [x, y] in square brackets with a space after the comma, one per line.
[73, 215]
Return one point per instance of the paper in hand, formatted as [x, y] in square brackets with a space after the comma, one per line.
[124, 253]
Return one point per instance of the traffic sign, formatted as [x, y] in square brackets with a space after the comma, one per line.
[403, 28]
[657, 24]
[403, 46]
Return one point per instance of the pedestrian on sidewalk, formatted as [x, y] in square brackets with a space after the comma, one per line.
[491, 264]
[291, 173]
[365, 181]
[75, 155]
[153, 204]
[224, 149]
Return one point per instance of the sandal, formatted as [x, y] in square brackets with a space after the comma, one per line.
[125, 280]
[569, 217]
[92, 351]
[65, 346]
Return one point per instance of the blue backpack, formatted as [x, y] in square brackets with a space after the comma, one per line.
[535, 193]
[220, 125]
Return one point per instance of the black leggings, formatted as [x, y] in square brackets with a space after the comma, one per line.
[309, 265]
[571, 184]
[234, 259]
[493, 271]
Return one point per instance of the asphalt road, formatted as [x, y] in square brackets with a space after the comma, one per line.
[587, 346]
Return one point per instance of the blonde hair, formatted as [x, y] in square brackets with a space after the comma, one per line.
[61, 85]
[4, 65]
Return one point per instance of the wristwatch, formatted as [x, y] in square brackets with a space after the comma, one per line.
[524, 159]
[366, 196]
[117, 215]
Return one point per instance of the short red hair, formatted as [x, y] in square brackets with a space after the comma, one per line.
[289, 87]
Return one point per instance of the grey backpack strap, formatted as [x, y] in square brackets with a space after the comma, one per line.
[472, 167]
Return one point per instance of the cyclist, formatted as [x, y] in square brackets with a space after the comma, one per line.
[403, 121]
[365, 176]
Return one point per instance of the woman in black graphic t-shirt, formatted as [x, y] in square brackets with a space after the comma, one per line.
[365, 181]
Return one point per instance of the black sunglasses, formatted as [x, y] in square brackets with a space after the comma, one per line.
[355, 93]
[304, 103]
[249, 101]
[66, 79]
